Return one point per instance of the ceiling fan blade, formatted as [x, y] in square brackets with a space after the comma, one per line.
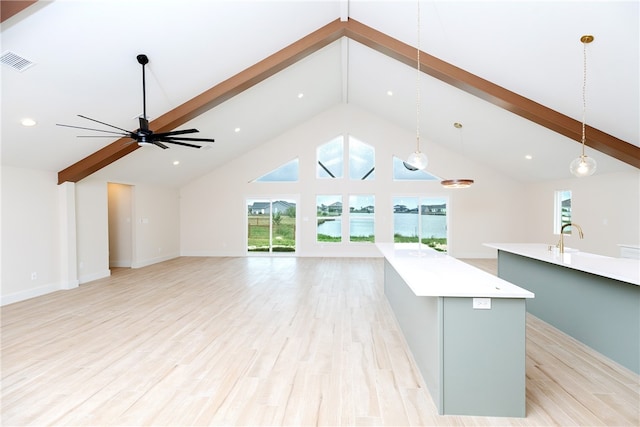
[176, 132]
[160, 144]
[97, 136]
[172, 141]
[191, 139]
[103, 123]
[96, 130]
[144, 123]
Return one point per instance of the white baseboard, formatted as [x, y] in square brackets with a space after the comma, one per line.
[212, 254]
[94, 276]
[29, 293]
[120, 263]
[70, 284]
[151, 261]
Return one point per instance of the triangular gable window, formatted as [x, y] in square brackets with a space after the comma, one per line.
[362, 160]
[285, 173]
[403, 172]
[330, 158]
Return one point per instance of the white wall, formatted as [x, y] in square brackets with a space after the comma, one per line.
[213, 211]
[157, 224]
[92, 229]
[606, 206]
[30, 234]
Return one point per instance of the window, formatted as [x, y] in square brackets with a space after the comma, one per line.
[362, 160]
[361, 218]
[329, 218]
[330, 157]
[421, 216]
[285, 173]
[271, 225]
[562, 211]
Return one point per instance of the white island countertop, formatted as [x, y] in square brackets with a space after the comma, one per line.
[431, 273]
[622, 269]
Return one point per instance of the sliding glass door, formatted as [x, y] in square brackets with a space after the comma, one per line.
[271, 225]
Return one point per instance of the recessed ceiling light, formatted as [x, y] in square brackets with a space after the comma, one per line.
[390, 92]
[28, 122]
[176, 162]
[300, 95]
[528, 157]
[236, 130]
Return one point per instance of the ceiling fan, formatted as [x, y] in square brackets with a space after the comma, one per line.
[144, 135]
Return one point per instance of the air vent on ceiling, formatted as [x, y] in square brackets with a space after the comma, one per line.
[15, 61]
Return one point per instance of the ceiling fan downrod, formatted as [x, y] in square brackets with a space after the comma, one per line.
[143, 60]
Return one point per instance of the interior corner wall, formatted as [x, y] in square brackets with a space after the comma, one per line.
[606, 206]
[213, 211]
[30, 234]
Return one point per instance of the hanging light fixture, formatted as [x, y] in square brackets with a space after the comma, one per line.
[418, 159]
[457, 183]
[583, 165]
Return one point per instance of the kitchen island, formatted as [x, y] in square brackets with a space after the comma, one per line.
[593, 298]
[465, 329]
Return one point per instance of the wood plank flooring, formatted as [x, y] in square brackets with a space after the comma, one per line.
[261, 341]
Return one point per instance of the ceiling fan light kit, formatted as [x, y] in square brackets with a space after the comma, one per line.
[584, 166]
[143, 135]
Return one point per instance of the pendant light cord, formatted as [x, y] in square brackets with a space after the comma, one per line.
[584, 94]
[418, 88]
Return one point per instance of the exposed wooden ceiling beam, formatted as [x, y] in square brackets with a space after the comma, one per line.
[210, 98]
[8, 8]
[380, 42]
[493, 93]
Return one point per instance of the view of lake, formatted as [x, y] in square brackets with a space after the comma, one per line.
[403, 223]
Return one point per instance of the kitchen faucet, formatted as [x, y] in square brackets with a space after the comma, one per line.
[570, 224]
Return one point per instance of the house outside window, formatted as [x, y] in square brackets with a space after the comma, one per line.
[421, 219]
[271, 225]
[329, 210]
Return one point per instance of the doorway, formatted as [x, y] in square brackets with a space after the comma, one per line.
[120, 206]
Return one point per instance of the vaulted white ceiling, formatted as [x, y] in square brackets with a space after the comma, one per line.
[84, 54]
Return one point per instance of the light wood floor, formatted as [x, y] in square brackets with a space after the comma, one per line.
[261, 341]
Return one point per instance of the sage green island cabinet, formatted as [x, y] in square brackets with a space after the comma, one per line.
[464, 327]
[593, 298]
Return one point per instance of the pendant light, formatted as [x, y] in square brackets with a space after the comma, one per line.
[583, 165]
[418, 159]
[457, 183]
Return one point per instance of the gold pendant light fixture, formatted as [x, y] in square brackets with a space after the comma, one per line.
[583, 165]
[418, 159]
[457, 183]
